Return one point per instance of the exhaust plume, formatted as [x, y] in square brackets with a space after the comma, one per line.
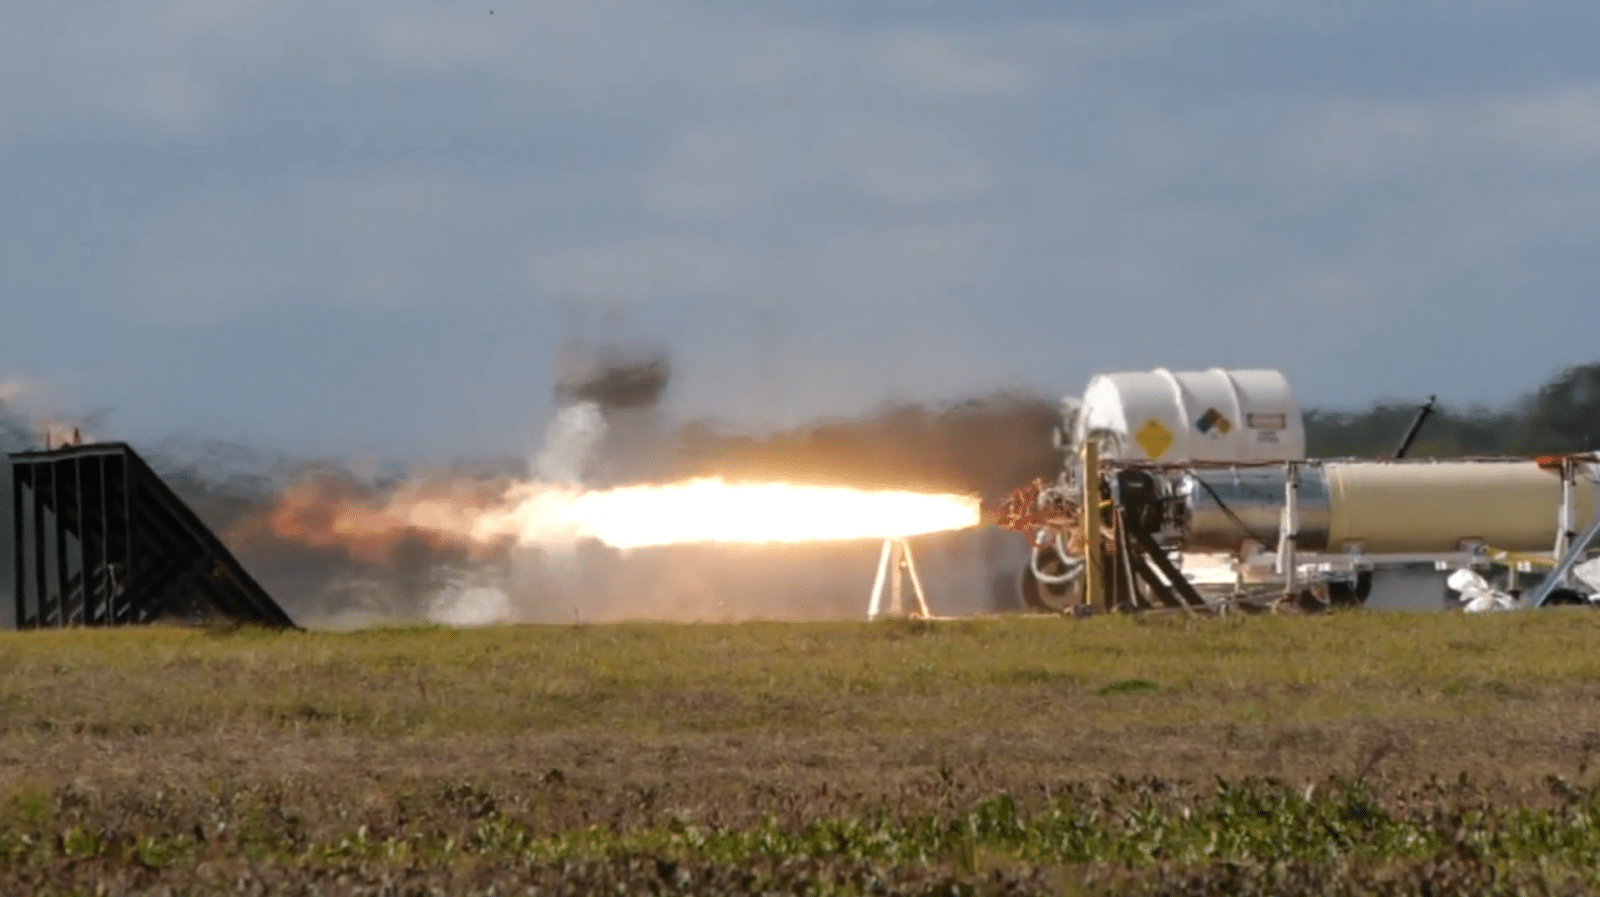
[701, 524]
[321, 512]
[470, 550]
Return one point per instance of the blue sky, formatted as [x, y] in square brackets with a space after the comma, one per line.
[365, 227]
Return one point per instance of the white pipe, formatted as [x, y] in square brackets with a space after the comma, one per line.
[1073, 564]
[1289, 529]
[1564, 522]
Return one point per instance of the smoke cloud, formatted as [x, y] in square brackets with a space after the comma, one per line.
[570, 444]
[340, 550]
[484, 595]
[341, 546]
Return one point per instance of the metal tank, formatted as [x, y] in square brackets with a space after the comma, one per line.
[1387, 507]
[1212, 415]
[1255, 498]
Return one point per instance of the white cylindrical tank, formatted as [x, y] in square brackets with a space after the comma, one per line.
[1213, 415]
[1389, 507]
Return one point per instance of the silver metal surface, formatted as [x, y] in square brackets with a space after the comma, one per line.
[1256, 496]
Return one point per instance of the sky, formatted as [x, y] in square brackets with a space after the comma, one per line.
[367, 227]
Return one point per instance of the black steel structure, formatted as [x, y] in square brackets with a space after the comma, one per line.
[1414, 429]
[101, 540]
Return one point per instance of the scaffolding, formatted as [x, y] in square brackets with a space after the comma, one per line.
[101, 540]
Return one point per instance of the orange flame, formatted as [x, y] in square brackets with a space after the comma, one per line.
[699, 511]
[323, 511]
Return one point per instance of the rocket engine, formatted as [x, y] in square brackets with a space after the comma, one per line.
[1231, 504]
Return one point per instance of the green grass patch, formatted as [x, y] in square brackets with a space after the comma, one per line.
[663, 678]
[1143, 834]
[1128, 687]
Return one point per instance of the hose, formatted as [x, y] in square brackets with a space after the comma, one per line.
[1073, 567]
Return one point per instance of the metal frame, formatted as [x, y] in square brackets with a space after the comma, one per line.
[1569, 559]
[893, 562]
[112, 544]
[1288, 566]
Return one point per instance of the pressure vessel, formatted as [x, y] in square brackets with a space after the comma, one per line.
[1212, 415]
[1399, 507]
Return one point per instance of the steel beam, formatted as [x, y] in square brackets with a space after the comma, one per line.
[40, 586]
[1180, 583]
[1093, 571]
[1569, 560]
[19, 561]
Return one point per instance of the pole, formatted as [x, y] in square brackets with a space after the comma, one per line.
[1289, 529]
[1093, 575]
[896, 577]
[1416, 427]
[916, 581]
[1565, 517]
[877, 583]
[19, 557]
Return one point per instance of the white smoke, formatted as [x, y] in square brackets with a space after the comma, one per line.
[570, 443]
[483, 598]
[469, 599]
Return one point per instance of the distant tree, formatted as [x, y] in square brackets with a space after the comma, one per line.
[1564, 416]
[1357, 434]
[1561, 416]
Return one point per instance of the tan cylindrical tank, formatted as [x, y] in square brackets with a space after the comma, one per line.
[1433, 507]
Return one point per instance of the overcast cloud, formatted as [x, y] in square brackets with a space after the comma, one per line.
[366, 226]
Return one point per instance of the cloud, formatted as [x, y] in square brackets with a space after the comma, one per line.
[168, 70]
[637, 270]
[1560, 126]
[401, 198]
[939, 65]
[1364, 140]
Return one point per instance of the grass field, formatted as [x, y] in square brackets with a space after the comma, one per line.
[1348, 753]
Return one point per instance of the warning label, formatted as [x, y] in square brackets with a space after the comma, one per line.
[1213, 423]
[1154, 438]
[1267, 421]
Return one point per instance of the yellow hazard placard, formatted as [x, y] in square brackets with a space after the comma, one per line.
[1154, 438]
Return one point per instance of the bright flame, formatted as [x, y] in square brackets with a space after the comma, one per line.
[710, 511]
[532, 514]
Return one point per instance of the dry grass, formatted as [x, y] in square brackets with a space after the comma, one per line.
[394, 734]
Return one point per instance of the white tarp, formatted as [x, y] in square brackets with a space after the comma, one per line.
[1476, 595]
[1588, 573]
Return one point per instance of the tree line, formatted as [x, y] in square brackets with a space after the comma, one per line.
[994, 443]
[1562, 415]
